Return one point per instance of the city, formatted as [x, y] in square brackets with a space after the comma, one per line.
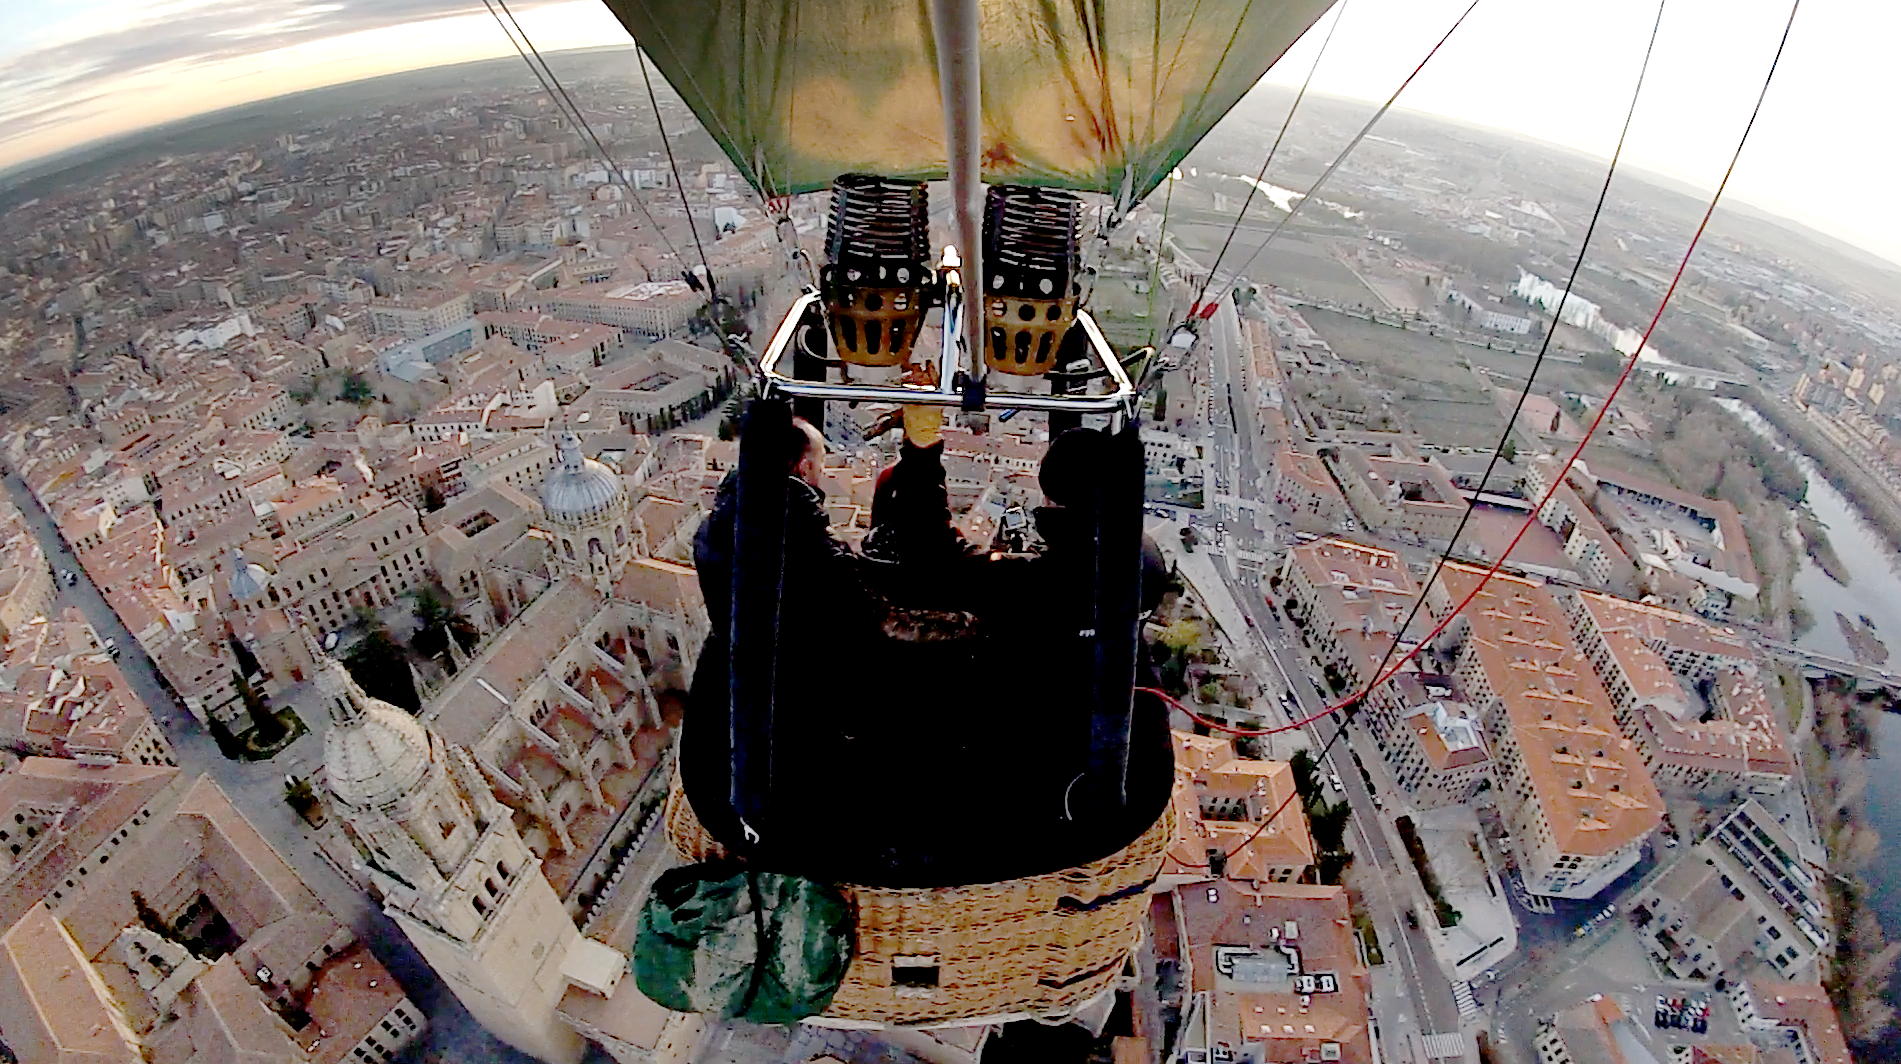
[362, 449]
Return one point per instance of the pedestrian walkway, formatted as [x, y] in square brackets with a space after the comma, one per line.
[1462, 996]
[1447, 1046]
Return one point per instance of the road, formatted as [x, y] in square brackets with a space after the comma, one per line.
[1420, 1001]
[258, 790]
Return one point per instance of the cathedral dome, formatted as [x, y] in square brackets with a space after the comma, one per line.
[580, 490]
[248, 579]
[374, 754]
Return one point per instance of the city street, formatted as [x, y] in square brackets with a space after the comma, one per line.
[1420, 1001]
[257, 788]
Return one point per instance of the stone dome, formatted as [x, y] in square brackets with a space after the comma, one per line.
[374, 754]
[248, 579]
[580, 490]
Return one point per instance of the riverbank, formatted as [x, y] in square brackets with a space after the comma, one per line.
[1869, 496]
[1855, 798]
[1856, 977]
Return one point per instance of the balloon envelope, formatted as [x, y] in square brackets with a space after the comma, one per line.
[1103, 96]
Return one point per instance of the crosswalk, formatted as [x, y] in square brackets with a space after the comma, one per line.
[1444, 1046]
[1462, 996]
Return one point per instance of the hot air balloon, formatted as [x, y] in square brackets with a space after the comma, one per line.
[989, 803]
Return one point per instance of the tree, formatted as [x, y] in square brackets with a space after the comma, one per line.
[266, 727]
[437, 621]
[432, 499]
[1184, 635]
[378, 664]
[1331, 865]
[1509, 452]
[1328, 822]
[1335, 680]
[1306, 776]
[1607, 364]
[357, 390]
[300, 796]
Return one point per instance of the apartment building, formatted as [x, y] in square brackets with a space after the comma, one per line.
[1303, 487]
[1221, 804]
[1349, 600]
[1741, 896]
[1573, 791]
[1272, 976]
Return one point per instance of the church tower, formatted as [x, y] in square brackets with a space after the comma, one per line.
[453, 872]
[584, 505]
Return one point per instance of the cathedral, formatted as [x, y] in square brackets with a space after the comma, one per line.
[496, 824]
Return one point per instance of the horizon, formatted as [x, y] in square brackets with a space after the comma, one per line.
[1707, 68]
[68, 158]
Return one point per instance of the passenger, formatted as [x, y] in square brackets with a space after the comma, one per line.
[799, 612]
[1049, 655]
[925, 562]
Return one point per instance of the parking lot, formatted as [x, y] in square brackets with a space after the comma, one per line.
[1611, 961]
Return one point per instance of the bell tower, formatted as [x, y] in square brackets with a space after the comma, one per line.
[584, 504]
[453, 872]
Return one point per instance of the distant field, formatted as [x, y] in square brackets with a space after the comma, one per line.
[1434, 364]
[1454, 424]
[1437, 395]
[1293, 264]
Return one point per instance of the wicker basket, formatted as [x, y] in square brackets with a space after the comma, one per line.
[1008, 949]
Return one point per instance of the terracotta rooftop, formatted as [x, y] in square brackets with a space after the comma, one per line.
[54, 1007]
[1449, 733]
[1595, 792]
[661, 584]
[1206, 768]
[465, 710]
[1360, 590]
[1804, 1006]
[1258, 1002]
[1309, 470]
[92, 804]
[1658, 626]
[346, 999]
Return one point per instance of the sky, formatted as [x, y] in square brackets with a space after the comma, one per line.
[73, 71]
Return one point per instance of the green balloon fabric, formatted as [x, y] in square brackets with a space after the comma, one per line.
[718, 939]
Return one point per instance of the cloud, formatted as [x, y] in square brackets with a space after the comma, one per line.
[71, 76]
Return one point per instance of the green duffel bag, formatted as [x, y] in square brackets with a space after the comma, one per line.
[718, 939]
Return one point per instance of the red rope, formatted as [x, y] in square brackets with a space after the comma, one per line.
[1558, 480]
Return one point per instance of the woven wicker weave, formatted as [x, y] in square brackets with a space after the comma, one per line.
[1000, 949]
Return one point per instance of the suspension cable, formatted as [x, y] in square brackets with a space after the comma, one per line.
[1381, 676]
[1296, 205]
[1161, 237]
[640, 56]
[1338, 14]
[564, 103]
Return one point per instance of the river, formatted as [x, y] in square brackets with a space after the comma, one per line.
[1873, 591]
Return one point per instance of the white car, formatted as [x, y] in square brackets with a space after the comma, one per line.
[1333, 780]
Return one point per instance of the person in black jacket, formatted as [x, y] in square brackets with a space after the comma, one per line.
[1069, 677]
[791, 614]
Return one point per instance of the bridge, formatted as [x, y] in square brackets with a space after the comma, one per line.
[1815, 663]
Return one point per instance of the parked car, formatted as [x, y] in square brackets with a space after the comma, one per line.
[1333, 780]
